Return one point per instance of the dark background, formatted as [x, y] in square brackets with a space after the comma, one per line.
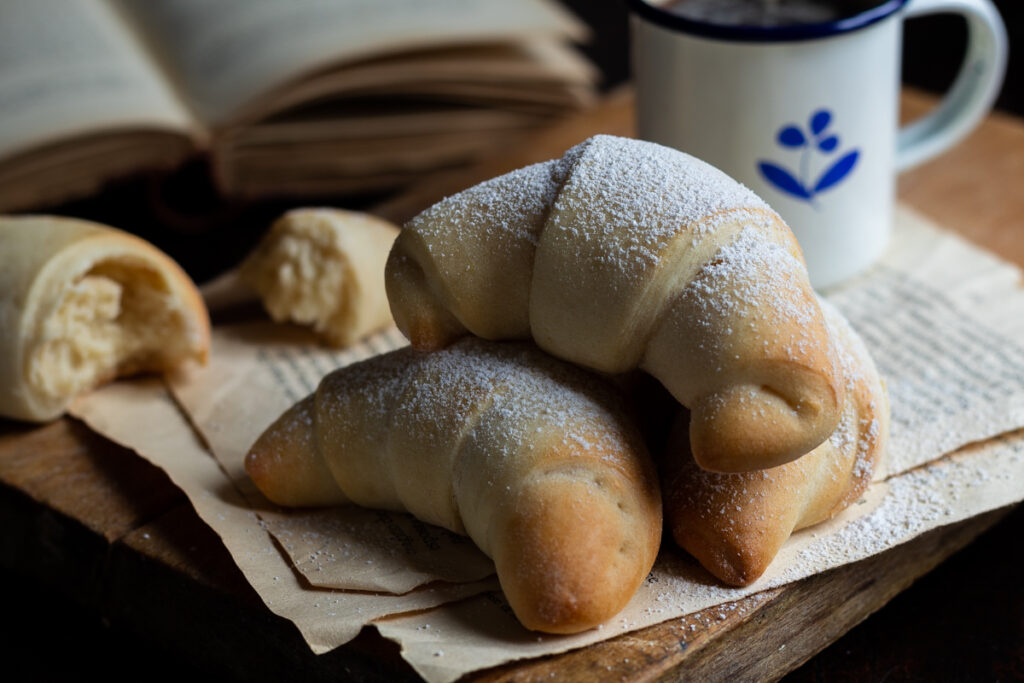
[962, 622]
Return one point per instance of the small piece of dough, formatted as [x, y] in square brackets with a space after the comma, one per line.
[532, 458]
[734, 524]
[82, 303]
[325, 268]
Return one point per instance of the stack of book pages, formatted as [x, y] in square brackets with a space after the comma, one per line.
[297, 98]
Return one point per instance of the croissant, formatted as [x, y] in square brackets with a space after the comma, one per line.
[533, 459]
[626, 254]
[325, 268]
[82, 303]
[734, 524]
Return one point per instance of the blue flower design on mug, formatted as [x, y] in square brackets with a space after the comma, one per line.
[817, 138]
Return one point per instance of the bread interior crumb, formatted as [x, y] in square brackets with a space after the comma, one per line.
[301, 278]
[117, 319]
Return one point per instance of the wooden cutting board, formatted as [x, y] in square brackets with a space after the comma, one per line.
[94, 521]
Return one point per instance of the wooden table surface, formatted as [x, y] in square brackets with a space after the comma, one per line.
[110, 571]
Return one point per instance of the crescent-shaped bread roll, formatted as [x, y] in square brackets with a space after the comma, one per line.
[325, 268]
[535, 460]
[627, 254]
[82, 303]
[734, 524]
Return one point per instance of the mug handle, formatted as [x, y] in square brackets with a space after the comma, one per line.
[973, 91]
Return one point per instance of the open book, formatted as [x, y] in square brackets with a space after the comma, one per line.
[302, 97]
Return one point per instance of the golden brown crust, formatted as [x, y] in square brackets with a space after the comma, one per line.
[568, 564]
[534, 459]
[307, 480]
[734, 524]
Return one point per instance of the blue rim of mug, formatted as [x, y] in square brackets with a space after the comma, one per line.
[764, 34]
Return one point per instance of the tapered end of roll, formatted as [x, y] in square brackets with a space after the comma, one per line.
[286, 465]
[732, 523]
[735, 523]
[422, 318]
[745, 427]
[736, 546]
[731, 559]
[576, 556]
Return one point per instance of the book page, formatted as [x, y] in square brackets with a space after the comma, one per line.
[227, 53]
[538, 76]
[72, 68]
[377, 125]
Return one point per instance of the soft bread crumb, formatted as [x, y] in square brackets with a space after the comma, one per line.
[301, 279]
[118, 319]
[324, 268]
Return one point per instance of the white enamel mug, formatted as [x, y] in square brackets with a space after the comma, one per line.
[807, 115]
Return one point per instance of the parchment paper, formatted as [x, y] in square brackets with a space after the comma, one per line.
[447, 642]
[141, 415]
[944, 321]
[940, 316]
[258, 371]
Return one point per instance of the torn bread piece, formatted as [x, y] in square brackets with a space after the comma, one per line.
[82, 303]
[325, 268]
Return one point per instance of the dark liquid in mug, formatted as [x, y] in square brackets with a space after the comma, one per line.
[765, 13]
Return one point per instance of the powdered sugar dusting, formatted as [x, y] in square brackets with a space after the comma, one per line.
[637, 196]
[608, 236]
[442, 395]
[752, 272]
[863, 426]
[498, 212]
[916, 502]
[922, 499]
[522, 385]
[947, 491]
[640, 193]
[751, 513]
